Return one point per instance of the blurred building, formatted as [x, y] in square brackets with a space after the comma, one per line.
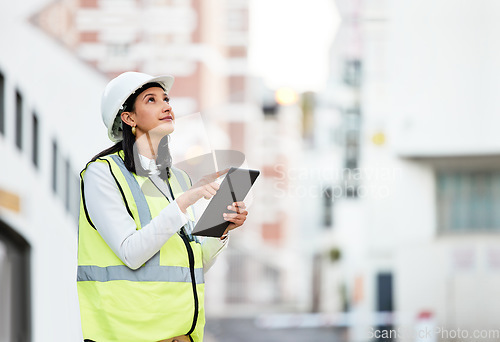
[410, 117]
[202, 43]
[264, 256]
[55, 60]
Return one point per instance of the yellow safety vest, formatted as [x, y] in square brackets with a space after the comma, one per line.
[161, 299]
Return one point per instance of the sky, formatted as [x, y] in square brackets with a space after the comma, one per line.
[290, 42]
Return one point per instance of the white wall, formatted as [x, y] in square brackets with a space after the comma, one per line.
[444, 75]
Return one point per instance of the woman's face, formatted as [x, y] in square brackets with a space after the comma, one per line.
[153, 113]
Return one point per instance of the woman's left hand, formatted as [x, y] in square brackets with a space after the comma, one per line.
[237, 218]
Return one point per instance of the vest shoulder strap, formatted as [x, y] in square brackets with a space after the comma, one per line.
[179, 174]
[140, 200]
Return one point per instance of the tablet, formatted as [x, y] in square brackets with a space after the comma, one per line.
[233, 188]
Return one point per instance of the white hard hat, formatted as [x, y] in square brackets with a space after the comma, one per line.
[118, 91]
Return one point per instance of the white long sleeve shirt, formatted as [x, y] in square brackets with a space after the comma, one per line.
[112, 221]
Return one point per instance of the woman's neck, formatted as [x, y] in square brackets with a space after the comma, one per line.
[147, 145]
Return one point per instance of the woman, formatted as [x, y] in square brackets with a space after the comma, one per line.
[140, 272]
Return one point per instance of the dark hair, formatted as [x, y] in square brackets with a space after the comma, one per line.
[131, 155]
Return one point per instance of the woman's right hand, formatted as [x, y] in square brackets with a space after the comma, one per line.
[206, 187]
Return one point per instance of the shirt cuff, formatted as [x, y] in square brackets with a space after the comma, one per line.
[184, 217]
[211, 248]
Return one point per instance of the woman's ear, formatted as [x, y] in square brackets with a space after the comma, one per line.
[128, 118]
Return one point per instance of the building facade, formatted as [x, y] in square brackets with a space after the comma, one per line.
[418, 238]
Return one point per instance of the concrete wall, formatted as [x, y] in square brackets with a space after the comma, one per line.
[443, 70]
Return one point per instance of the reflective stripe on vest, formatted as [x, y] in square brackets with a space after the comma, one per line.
[146, 273]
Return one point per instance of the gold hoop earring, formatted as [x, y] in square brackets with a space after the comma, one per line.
[133, 130]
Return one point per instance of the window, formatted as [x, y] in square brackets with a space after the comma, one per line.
[236, 88]
[468, 201]
[384, 292]
[327, 207]
[89, 4]
[269, 105]
[385, 303]
[270, 282]
[71, 190]
[2, 104]
[352, 72]
[14, 286]
[35, 140]
[67, 183]
[117, 50]
[351, 149]
[180, 2]
[351, 189]
[75, 195]
[352, 126]
[270, 109]
[243, 270]
[236, 19]
[237, 135]
[54, 166]
[237, 281]
[19, 120]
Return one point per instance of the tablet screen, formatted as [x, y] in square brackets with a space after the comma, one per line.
[233, 188]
